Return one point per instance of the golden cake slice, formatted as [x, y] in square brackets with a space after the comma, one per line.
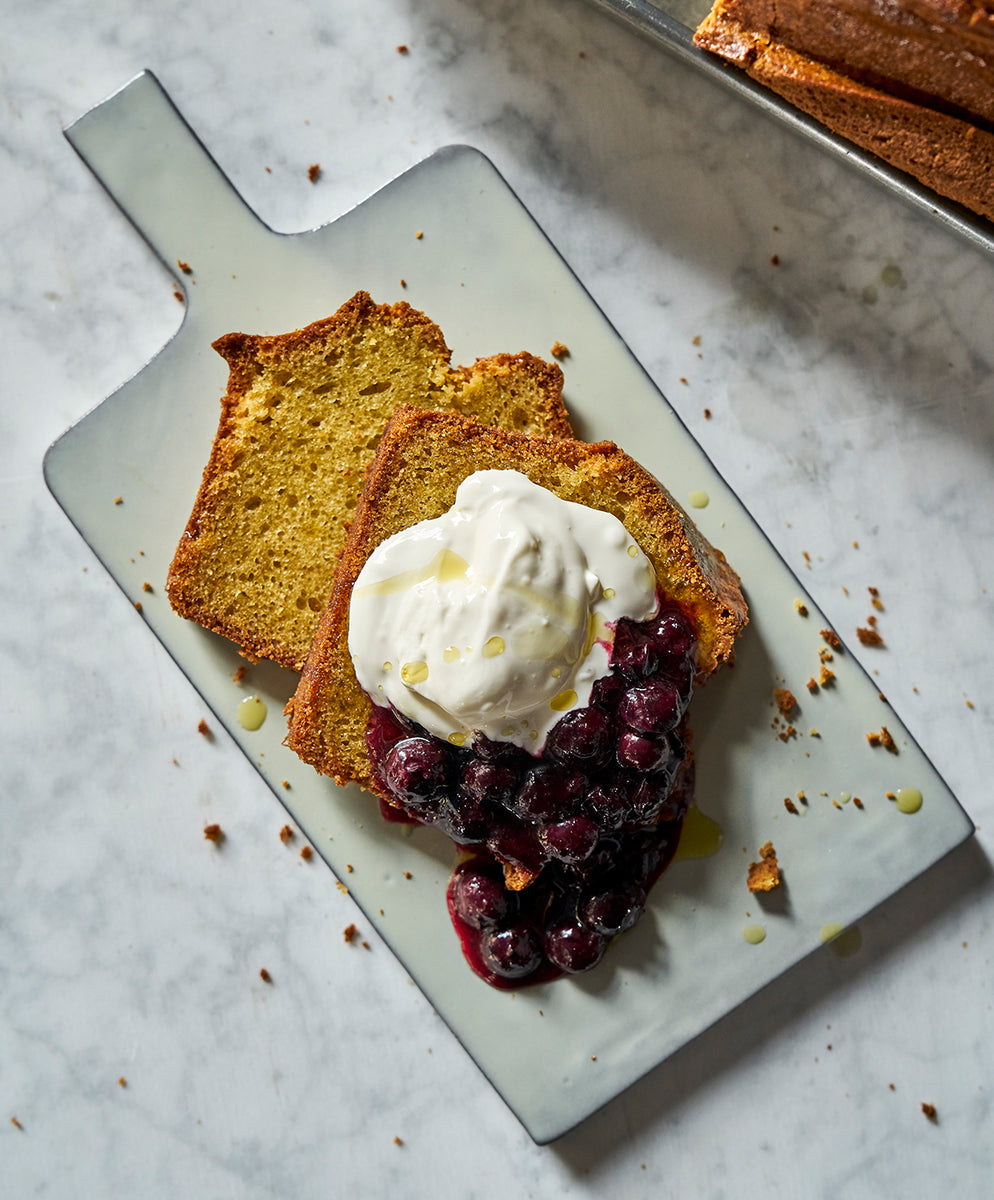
[300, 422]
[911, 81]
[423, 458]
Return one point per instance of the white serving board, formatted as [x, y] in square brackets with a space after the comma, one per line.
[491, 279]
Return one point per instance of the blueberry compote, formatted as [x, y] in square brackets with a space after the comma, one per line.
[592, 821]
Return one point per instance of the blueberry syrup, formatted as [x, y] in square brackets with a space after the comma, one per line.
[593, 820]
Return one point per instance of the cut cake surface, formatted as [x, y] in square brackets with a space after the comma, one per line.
[300, 422]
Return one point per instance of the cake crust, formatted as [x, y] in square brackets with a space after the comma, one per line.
[422, 459]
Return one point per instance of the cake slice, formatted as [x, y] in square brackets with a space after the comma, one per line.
[300, 422]
[911, 81]
[423, 458]
[569, 806]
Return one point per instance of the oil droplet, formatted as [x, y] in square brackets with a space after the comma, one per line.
[251, 713]
[845, 797]
[909, 800]
[450, 653]
[633, 551]
[891, 275]
[563, 701]
[414, 672]
[457, 739]
[754, 934]
[445, 567]
[870, 294]
[609, 593]
[698, 499]
[700, 836]
[507, 731]
[556, 672]
[493, 647]
[841, 940]
[388, 666]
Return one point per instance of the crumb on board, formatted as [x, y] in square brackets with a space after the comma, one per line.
[875, 598]
[179, 295]
[286, 834]
[787, 733]
[832, 638]
[314, 172]
[349, 933]
[707, 414]
[265, 976]
[825, 676]
[341, 887]
[812, 684]
[790, 806]
[306, 853]
[857, 802]
[559, 350]
[146, 586]
[800, 608]
[16, 1123]
[214, 833]
[285, 784]
[240, 673]
[397, 1141]
[203, 728]
[403, 49]
[764, 875]
[138, 605]
[349, 867]
[184, 266]
[883, 738]
[122, 1082]
[869, 636]
[786, 701]
[420, 234]
[118, 499]
[929, 1111]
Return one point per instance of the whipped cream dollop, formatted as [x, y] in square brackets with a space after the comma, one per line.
[498, 616]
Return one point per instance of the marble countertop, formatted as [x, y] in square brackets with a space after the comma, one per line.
[844, 359]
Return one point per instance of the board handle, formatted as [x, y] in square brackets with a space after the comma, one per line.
[164, 180]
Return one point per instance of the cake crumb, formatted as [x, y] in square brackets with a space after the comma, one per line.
[138, 605]
[869, 636]
[420, 234]
[929, 1111]
[775, 260]
[179, 295]
[883, 738]
[825, 676]
[786, 734]
[214, 833]
[118, 499]
[785, 700]
[764, 875]
[146, 586]
[265, 976]
[559, 350]
[16, 1123]
[875, 598]
[350, 933]
[203, 728]
[286, 834]
[285, 784]
[408, 875]
[403, 283]
[341, 887]
[832, 638]
[695, 340]
[707, 414]
[184, 267]
[812, 684]
[349, 867]
[122, 1082]
[366, 946]
[857, 802]
[306, 853]
[314, 172]
[402, 49]
[398, 1141]
[891, 795]
[790, 806]
[800, 608]
[239, 674]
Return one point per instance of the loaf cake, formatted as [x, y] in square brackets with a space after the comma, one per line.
[912, 81]
[300, 422]
[566, 833]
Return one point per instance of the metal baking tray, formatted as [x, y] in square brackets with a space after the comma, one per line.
[671, 24]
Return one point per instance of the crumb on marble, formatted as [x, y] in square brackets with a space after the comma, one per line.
[118, 499]
[707, 414]
[306, 853]
[146, 586]
[403, 49]
[16, 1123]
[398, 1141]
[930, 1113]
[240, 673]
[812, 685]
[203, 728]
[832, 638]
[138, 606]
[869, 636]
[559, 350]
[883, 738]
[825, 677]
[314, 172]
[790, 806]
[214, 833]
[122, 1082]
[786, 701]
[286, 834]
[350, 933]
[800, 608]
[265, 976]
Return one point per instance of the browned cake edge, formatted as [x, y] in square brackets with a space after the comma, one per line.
[422, 458]
[953, 157]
